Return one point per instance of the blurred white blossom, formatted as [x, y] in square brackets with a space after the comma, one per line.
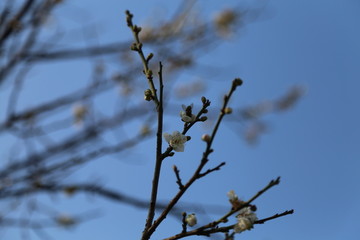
[225, 21]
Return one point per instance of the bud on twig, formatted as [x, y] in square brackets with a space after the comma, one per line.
[149, 57]
[206, 138]
[134, 47]
[237, 82]
[228, 110]
[203, 99]
[148, 95]
[203, 118]
[137, 29]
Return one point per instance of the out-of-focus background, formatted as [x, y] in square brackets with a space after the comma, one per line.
[281, 47]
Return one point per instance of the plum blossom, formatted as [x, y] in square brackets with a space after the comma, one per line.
[248, 213]
[246, 219]
[232, 195]
[176, 140]
[186, 115]
[242, 225]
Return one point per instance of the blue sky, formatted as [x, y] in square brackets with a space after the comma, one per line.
[314, 147]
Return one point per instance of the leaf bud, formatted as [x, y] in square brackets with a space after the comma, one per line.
[228, 110]
[148, 95]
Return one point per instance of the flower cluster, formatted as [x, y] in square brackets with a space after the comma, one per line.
[186, 115]
[245, 220]
[176, 140]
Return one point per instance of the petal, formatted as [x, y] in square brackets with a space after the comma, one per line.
[178, 147]
[176, 133]
[186, 118]
[167, 137]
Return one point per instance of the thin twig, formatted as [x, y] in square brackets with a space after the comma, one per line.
[262, 221]
[184, 223]
[159, 158]
[178, 179]
[217, 168]
[137, 46]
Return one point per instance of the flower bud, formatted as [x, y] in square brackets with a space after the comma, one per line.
[203, 118]
[136, 29]
[149, 73]
[206, 138]
[203, 99]
[191, 219]
[134, 47]
[148, 95]
[237, 82]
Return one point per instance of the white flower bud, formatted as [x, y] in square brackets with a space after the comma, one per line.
[191, 219]
[206, 138]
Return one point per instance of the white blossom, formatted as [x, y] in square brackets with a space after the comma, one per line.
[176, 140]
[248, 213]
[246, 219]
[191, 219]
[187, 116]
[232, 196]
[242, 225]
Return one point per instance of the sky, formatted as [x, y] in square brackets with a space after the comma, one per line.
[314, 147]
